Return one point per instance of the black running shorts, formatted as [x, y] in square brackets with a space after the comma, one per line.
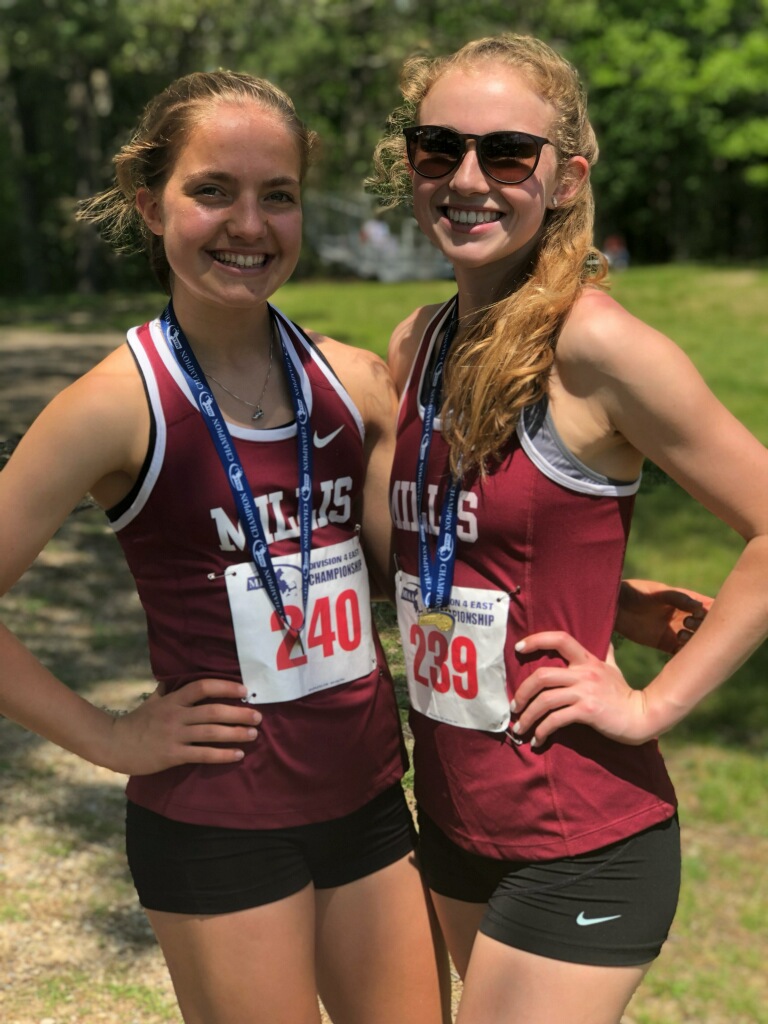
[611, 907]
[196, 869]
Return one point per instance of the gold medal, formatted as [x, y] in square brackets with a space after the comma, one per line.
[437, 617]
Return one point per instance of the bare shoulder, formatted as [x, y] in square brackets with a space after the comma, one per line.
[363, 373]
[600, 335]
[110, 393]
[91, 438]
[405, 341]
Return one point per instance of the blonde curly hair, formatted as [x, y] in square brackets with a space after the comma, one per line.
[148, 158]
[503, 360]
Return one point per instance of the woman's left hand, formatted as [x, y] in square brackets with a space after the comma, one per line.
[586, 691]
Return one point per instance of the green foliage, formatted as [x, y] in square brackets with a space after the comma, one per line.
[678, 91]
[681, 112]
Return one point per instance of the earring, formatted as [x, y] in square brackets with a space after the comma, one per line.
[554, 202]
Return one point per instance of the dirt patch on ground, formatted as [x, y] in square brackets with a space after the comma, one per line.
[74, 945]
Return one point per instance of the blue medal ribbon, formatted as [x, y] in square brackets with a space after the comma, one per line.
[238, 482]
[436, 572]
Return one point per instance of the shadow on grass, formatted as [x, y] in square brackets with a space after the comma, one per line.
[82, 314]
[127, 925]
[77, 607]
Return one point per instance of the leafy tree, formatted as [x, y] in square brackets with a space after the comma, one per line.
[682, 113]
[678, 90]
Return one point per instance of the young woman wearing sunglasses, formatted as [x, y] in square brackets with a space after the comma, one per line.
[548, 831]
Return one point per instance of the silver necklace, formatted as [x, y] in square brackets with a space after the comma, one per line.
[252, 405]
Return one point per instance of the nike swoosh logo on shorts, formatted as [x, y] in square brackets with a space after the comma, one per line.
[581, 919]
[321, 442]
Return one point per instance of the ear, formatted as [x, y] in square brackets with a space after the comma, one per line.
[150, 209]
[572, 176]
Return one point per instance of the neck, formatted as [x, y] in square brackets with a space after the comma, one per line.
[482, 286]
[228, 338]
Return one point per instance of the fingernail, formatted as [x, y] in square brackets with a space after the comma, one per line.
[513, 706]
[520, 645]
[534, 742]
[516, 728]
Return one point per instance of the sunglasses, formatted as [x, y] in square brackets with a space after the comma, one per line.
[507, 157]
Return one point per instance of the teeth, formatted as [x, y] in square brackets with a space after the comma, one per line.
[237, 259]
[472, 216]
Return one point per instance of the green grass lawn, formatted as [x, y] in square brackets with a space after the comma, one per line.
[712, 970]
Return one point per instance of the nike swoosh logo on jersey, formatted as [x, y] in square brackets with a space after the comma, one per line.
[581, 919]
[321, 442]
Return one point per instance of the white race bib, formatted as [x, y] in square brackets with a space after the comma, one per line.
[455, 668]
[337, 641]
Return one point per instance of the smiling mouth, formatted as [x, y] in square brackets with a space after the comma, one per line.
[233, 259]
[471, 216]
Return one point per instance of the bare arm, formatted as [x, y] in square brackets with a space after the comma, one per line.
[92, 438]
[404, 344]
[654, 398]
[649, 613]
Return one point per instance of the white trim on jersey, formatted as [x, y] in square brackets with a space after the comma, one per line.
[297, 337]
[158, 451]
[236, 430]
[292, 336]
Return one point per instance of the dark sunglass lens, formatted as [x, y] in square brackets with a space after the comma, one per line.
[509, 156]
[435, 151]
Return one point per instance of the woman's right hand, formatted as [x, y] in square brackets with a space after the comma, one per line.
[186, 726]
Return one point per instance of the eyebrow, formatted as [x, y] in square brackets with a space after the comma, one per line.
[214, 175]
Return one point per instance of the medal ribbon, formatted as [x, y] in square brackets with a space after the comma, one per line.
[436, 572]
[238, 482]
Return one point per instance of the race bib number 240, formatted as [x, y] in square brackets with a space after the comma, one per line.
[336, 642]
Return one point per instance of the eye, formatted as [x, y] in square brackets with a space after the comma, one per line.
[281, 197]
[209, 191]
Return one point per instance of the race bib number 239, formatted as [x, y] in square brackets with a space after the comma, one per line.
[454, 660]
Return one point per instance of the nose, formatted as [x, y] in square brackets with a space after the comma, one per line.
[469, 176]
[247, 219]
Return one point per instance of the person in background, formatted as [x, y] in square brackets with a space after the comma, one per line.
[548, 828]
[616, 252]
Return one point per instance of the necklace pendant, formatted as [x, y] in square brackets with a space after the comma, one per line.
[258, 414]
